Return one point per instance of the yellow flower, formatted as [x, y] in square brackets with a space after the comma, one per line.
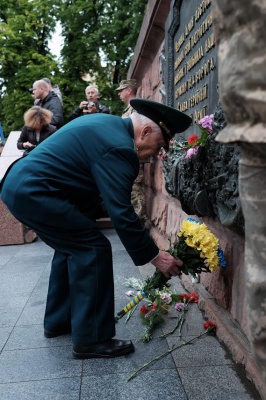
[200, 238]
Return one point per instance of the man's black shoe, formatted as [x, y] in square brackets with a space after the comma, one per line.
[108, 348]
[50, 334]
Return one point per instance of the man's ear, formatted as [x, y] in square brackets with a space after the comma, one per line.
[145, 131]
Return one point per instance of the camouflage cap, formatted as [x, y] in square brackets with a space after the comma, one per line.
[127, 83]
[170, 121]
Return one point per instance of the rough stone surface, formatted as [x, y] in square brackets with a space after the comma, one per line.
[165, 213]
[224, 289]
[12, 231]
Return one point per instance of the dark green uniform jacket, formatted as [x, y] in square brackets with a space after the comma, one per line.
[89, 157]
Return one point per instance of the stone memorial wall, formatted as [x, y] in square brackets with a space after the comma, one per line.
[206, 184]
[191, 77]
[175, 63]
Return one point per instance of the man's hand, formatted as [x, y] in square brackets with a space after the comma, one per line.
[27, 144]
[91, 110]
[83, 104]
[87, 109]
[167, 264]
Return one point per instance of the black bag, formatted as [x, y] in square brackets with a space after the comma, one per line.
[28, 150]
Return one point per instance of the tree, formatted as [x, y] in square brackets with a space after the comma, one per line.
[99, 40]
[26, 28]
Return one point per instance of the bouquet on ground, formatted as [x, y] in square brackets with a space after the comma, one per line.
[155, 292]
[199, 250]
[153, 314]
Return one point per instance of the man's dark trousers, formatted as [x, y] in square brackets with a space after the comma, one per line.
[81, 289]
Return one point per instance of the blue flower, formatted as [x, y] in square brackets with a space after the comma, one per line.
[193, 220]
[222, 260]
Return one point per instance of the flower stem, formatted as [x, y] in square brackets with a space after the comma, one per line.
[181, 324]
[130, 313]
[173, 348]
[173, 330]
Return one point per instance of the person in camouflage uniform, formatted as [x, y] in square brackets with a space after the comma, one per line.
[127, 90]
[242, 41]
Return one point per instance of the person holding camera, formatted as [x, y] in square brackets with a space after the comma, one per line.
[91, 105]
[36, 129]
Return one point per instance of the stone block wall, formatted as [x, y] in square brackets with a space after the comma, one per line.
[12, 231]
[165, 214]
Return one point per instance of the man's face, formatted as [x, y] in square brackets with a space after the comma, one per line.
[92, 95]
[37, 91]
[149, 142]
[125, 95]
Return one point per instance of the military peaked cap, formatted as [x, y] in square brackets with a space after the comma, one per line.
[170, 121]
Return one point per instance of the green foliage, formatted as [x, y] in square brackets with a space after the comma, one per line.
[99, 40]
[26, 27]
[155, 319]
[193, 262]
[156, 281]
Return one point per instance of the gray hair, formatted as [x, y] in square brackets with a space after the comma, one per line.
[142, 120]
[92, 87]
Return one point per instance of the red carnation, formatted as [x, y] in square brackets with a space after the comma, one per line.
[209, 326]
[143, 310]
[193, 297]
[192, 140]
[184, 297]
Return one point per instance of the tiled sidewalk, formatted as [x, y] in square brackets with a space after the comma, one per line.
[35, 368]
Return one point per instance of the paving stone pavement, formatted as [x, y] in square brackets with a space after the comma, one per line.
[35, 368]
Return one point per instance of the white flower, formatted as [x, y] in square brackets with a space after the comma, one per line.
[134, 283]
[130, 293]
[166, 297]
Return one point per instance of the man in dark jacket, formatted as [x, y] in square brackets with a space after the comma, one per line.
[54, 88]
[91, 105]
[48, 100]
[48, 191]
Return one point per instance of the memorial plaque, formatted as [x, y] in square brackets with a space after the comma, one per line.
[206, 184]
[191, 75]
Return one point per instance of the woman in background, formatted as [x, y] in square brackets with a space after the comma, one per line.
[36, 129]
